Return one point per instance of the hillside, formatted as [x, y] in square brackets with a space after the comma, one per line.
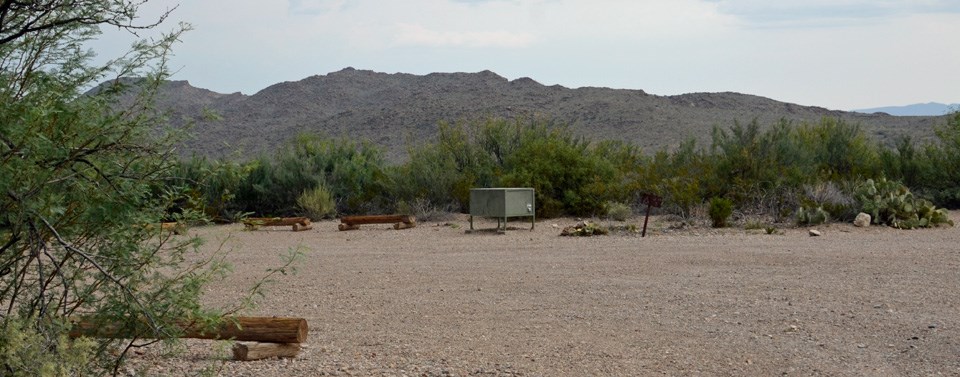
[395, 110]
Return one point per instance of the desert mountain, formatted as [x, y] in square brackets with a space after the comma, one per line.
[917, 109]
[396, 110]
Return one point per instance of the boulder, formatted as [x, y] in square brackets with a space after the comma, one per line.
[814, 233]
[862, 220]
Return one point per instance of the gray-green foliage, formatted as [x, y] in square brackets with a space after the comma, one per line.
[891, 203]
[82, 176]
[618, 211]
[812, 215]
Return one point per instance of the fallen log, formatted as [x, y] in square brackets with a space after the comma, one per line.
[276, 221]
[258, 329]
[298, 223]
[249, 351]
[344, 227]
[301, 227]
[377, 219]
[409, 225]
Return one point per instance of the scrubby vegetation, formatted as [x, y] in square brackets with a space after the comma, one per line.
[806, 172]
[720, 211]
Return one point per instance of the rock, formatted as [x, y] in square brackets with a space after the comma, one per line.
[815, 233]
[862, 220]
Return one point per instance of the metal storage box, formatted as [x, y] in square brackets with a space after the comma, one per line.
[503, 203]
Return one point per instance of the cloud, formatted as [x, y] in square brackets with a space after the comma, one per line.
[817, 13]
[316, 6]
[418, 35]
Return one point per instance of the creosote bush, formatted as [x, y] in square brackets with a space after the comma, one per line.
[720, 211]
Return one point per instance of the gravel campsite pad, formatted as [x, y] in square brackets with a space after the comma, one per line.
[436, 301]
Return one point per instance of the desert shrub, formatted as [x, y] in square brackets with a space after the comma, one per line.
[842, 150]
[426, 210]
[210, 187]
[832, 199]
[566, 176]
[678, 177]
[619, 211]
[354, 173]
[812, 215]
[26, 352]
[754, 225]
[317, 203]
[936, 175]
[569, 177]
[720, 211]
[891, 203]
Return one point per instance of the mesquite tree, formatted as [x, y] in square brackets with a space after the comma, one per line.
[82, 190]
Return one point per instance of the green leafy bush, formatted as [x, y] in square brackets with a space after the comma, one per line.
[720, 211]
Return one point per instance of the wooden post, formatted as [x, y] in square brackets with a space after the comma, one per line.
[651, 201]
[260, 329]
[248, 351]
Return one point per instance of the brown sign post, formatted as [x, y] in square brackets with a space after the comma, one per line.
[651, 201]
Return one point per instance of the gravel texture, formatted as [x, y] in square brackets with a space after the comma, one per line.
[436, 301]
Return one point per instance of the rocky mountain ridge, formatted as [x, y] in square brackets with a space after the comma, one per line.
[398, 110]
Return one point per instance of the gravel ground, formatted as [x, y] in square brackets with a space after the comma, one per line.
[435, 301]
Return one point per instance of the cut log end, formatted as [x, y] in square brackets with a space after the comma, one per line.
[345, 227]
[248, 351]
[301, 227]
[409, 225]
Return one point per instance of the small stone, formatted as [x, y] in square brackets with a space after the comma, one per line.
[932, 326]
[815, 233]
[861, 346]
[862, 220]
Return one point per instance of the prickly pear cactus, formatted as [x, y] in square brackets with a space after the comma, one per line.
[891, 203]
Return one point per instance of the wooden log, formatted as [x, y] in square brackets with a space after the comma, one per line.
[377, 219]
[344, 227]
[301, 227]
[259, 329]
[276, 221]
[399, 226]
[248, 351]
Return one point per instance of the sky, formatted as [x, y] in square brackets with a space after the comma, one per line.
[838, 54]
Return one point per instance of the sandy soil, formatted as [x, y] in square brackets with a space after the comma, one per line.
[435, 301]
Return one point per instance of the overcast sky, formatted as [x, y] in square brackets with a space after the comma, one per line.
[839, 54]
